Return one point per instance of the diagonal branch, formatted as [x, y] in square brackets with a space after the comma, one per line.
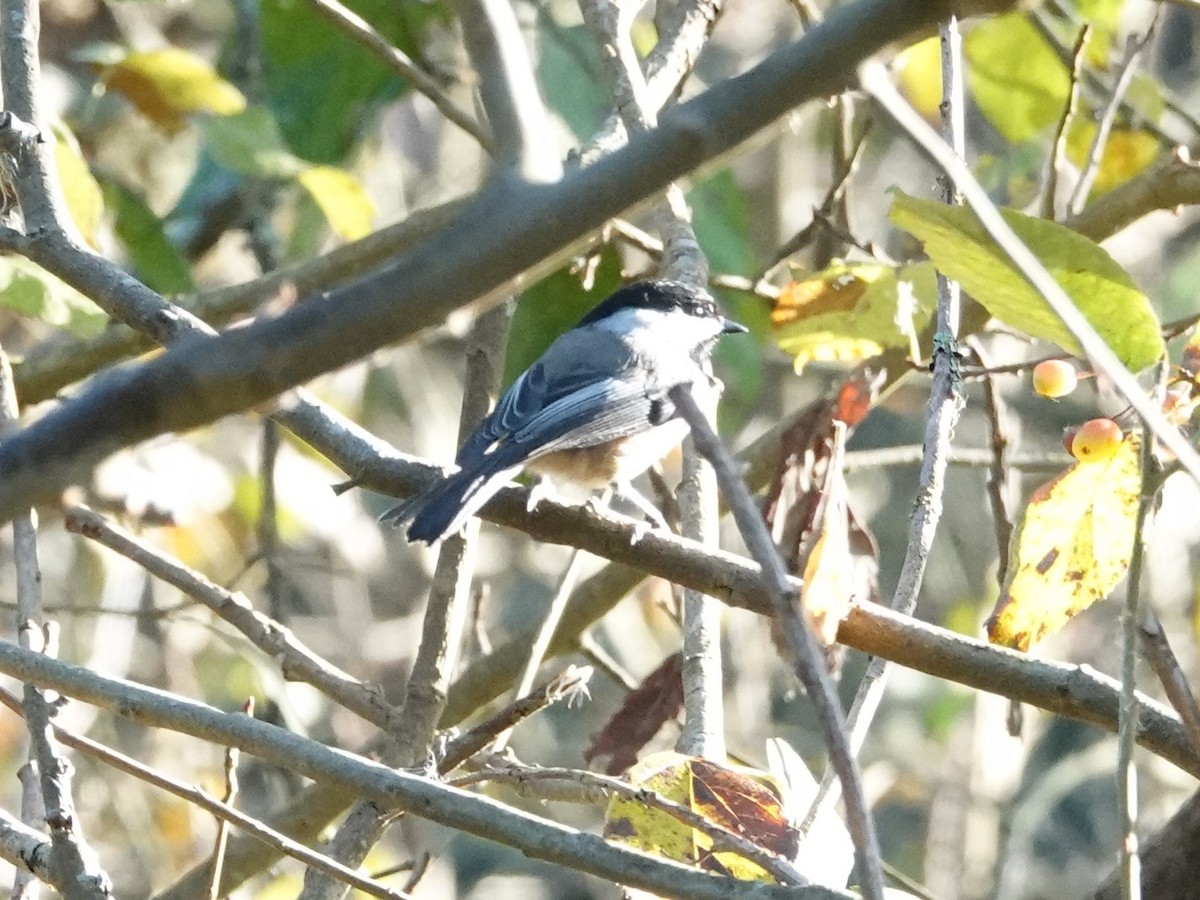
[470, 261]
[804, 655]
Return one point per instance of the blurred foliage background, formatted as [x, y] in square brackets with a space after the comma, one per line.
[202, 143]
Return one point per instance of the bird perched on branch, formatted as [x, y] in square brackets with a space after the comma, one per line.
[593, 410]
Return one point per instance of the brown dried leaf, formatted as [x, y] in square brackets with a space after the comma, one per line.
[656, 701]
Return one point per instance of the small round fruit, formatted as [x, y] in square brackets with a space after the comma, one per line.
[1068, 437]
[1054, 378]
[1097, 439]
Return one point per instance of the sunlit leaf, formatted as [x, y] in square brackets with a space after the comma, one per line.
[853, 311]
[1099, 287]
[729, 797]
[342, 199]
[169, 84]
[1017, 79]
[1127, 152]
[85, 202]
[1071, 549]
[920, 75]
[1101, 13]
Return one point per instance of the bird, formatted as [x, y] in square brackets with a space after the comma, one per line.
[593, 410]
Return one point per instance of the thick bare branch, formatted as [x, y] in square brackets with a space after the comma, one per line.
[471, 261]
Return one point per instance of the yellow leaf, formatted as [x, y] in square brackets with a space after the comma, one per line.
[1128, 152]
[1071, 549]
[342, 199]
[1016, 77]
[84, 199]
[852, 311]
[920, 68]
[167, 85]
[734, 798]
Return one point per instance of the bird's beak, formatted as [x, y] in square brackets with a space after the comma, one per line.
[731, 327]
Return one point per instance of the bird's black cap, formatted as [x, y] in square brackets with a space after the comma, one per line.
[662, 295]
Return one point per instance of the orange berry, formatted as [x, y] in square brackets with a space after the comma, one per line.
[1054, 378]
[1096, 440]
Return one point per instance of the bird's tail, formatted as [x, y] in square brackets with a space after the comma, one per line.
[440, 511]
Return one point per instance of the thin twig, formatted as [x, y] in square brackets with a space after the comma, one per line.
[1058, 152]
[834, 195]
[805, 657]
[231, 790]
[999, 483]
[570, 684]
[394, 789]
[521, 776]
[77, 870]
[1176, 685]
[546, 628]
[1091, 168]
[360, 30]
[1127, 725]
[297, 661]
[965, 457]
[518, 119]
[212, 805]
[945, 404]
[682, 260]
[267, 527]
[877, 82]
[443, 625]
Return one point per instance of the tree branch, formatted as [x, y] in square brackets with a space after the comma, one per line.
[802, 652]
[473, 260]
[352, 24]
[429, 799]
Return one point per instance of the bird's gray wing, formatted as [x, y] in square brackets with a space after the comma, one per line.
[593, 415]
[559, 391]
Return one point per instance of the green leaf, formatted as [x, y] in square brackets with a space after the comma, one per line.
[325, 87]
[721, 220]
[1017, 79]
[152, 256]
[30, 291]
[1099, 287]
[569, 71]
[553, 305]
[1105, 14]
[251, 144]
[342, 199]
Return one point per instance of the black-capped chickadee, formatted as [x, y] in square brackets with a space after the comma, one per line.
[593, 410]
